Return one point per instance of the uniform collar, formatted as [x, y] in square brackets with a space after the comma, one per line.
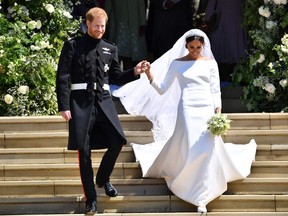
[91, 40]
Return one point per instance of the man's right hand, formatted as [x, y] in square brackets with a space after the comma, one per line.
[66, 115]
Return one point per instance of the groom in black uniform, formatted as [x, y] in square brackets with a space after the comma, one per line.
[87, 66]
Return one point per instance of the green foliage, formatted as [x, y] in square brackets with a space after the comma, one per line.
[31, 38]
[265, 71]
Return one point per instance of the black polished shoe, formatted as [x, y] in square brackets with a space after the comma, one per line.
[91, 208]
[109, 189]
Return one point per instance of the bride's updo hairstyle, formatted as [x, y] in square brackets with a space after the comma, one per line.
[195, 37]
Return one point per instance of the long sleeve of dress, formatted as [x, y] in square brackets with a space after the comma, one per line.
[162, 87]
[215, 85]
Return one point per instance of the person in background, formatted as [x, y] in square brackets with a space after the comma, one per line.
[126, 28]
[80, 9]
[228, 38]
[87, 66]
[167, 21]
[199, 21]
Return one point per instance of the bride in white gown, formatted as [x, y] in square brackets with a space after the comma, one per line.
[195, 164]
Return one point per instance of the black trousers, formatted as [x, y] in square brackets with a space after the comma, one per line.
[100, 122]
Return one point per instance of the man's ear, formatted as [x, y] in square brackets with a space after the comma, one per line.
[87, 23]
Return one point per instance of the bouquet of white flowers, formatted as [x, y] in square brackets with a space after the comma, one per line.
[218, 124]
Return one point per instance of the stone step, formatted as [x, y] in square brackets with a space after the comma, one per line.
[269, 169]
[131, 122]
[238, 204]
[273, 152]
[135, 187]
[259, 121]
[126, 170]
[63, 171]
[56, 123]
[172, 214]
[55, 155]
[59, 139]
[261, 136]
[32, 123]
[58, 155]
[39, 175]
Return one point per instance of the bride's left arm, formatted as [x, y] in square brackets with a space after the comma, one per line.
[162, 87]
[215, 86]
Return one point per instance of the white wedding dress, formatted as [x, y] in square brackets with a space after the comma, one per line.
[195, 164]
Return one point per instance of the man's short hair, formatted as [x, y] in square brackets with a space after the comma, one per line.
[96, 12]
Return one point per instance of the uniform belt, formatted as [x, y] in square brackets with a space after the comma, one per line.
[83, 86]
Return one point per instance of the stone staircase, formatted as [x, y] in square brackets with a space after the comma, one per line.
[38, 175]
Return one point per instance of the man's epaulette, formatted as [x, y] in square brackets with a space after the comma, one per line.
[107, 41]
[75, 38]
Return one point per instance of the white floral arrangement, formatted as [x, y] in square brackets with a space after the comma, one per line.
[218, 124]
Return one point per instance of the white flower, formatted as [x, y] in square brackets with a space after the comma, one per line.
[270, 88]
[38, 24]
[283, 82]
[284, 40]
[67, 14]
[271, 65]
[8, 99]
[23, 11]
[32, 24]
[2, 53]
[264, 11]
[33, 47]
[266, 2]
[23, 89]
[261, 58]
[50, 8]
[260, 81]
[43, 44]
[23, 59]
[284, 49]
[11, 66]
[278, 2]
[284, 46]
[270, 24]
[10, 10]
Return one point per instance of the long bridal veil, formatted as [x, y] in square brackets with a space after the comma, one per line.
[140, 98]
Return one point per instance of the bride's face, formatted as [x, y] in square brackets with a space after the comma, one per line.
[194, 48]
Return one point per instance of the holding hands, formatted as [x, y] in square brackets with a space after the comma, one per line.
[144, 67]
[141, 67]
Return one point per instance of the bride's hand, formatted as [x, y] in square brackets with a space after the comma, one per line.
[147, 71]
[218, 110]
[146, 67]
[140, 67]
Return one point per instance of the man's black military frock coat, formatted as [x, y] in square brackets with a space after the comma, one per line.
[81, 61]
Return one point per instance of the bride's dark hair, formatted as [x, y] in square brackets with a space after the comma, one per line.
[195, 37]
